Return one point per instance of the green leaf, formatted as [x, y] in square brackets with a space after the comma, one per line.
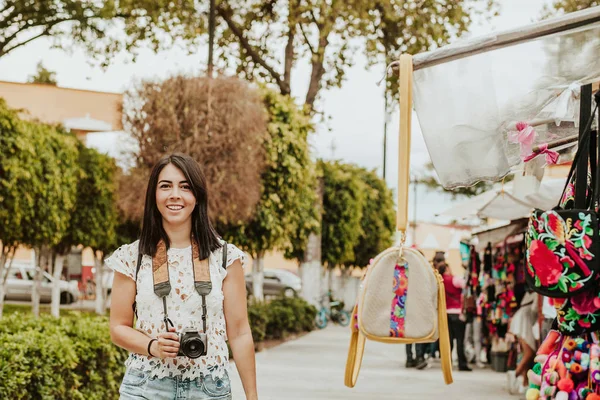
[574, 276]
[537, 282]
[562, 284]
[572, 315]
[552, 244]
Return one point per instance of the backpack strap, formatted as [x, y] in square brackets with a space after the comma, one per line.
[443, 332]
[224, 256]
[137, 269]
[355, 353]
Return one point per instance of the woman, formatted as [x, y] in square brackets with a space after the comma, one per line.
[454, 286]
[180, 272]
[521, 326]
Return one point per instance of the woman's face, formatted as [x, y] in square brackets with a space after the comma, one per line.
[174, 197]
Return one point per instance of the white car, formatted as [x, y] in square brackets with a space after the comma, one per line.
[19, 285]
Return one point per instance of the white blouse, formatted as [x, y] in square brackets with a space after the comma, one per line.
[184, 307]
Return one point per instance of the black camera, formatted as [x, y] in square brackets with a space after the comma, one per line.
[192, 343]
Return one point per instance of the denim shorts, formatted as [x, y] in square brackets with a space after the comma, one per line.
[137, 385]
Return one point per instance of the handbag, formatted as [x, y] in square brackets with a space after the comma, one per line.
[563, 243]
[401, 299]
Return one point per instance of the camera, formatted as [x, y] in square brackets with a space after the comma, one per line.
[192, 343]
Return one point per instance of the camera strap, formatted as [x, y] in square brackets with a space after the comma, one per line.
[201, 271]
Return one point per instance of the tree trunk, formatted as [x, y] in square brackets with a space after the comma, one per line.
[99, 276]
[4, 275]
[35, 289]
[56, 274]
[310, 266]
[258, 277]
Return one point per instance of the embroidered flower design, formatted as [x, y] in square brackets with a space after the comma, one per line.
[545, 262]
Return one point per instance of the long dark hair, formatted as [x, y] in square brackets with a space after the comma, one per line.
[202, 229]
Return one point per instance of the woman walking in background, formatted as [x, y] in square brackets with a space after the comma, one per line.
[454, 286]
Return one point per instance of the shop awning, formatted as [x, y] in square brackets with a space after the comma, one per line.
[469, 96]
[512, 201]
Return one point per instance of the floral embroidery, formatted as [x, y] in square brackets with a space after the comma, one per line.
[559, 251]
[580, 313]
[400, 288]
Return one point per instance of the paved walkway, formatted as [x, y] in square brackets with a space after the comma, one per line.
[312, 367]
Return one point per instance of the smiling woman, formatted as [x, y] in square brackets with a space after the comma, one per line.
[180, 269]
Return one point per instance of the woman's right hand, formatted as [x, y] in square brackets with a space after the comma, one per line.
[167, 344]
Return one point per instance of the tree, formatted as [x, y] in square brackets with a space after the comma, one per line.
[264, 39]
[99, 25]
[219, 122]
[281, 219]
[39, 175]
[343, 199]
[94, 219]
[43, 76]
[18, 187]
[567, 6]
[378, 222]
[54, 204]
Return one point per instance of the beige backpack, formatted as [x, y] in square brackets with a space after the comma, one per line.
[401, 299]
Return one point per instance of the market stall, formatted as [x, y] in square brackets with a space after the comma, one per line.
[487, 107]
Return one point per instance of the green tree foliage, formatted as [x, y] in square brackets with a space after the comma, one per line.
[264, 40]
[287, 183]
[378, 223]
[343, 199]
[43, 76]
[94, 218]
[99, 25]
[567, 6]
[39, 173]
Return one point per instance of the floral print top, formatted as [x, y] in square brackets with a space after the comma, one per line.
[184, 306]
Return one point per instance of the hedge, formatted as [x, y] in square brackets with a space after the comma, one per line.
[73, 357]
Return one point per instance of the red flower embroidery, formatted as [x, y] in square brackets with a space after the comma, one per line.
[584, 303]
[584, 324]
[545, 263]
[587, 242]
[583, 253]
[578, 225]
[568, 261]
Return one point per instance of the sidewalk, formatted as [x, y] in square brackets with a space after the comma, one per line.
[312, 367]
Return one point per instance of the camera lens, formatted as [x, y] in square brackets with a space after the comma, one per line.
[192, 347]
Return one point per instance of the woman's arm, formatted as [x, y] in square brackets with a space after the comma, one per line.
[121, 323]
[238, 328]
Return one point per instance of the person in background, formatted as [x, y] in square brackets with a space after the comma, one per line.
[454, 286]
[549, 312]
[521, 326]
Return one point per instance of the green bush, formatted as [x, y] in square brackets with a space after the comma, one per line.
[66, 358]
[288, 315]
[73, 357]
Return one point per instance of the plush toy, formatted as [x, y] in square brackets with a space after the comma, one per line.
[532, 394]
[566, 385]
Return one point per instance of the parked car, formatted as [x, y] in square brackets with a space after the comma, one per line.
[277, 282]
[19, 285]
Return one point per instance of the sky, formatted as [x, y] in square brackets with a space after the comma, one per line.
[354, 132]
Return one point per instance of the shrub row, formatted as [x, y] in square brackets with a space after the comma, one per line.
[74, 358]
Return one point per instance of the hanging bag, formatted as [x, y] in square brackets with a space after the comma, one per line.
[563, 243]
[401, 299]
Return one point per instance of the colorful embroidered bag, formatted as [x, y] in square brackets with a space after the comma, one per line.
[579, 314]
[563, 244]
[401, 299]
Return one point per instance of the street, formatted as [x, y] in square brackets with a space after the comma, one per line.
[312, 367]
